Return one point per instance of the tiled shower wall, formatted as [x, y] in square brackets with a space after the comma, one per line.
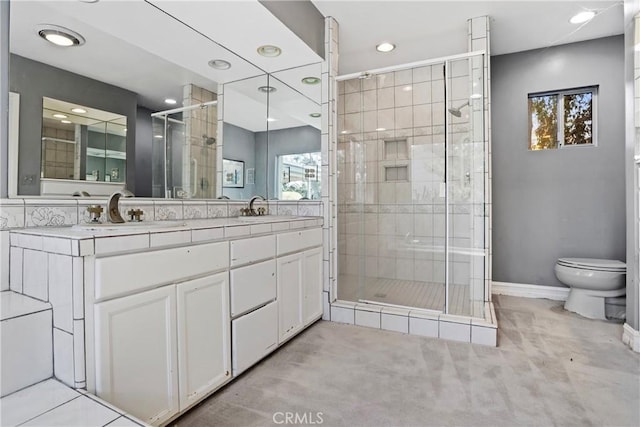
[199, 156]
[391, 166]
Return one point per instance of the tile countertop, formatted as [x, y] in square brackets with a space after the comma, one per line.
[69, 240]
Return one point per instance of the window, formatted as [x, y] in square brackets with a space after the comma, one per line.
[298, 176]
[562, 119]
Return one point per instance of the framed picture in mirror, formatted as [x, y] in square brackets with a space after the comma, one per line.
[232, 173]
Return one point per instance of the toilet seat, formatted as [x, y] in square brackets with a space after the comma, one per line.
[614, 266]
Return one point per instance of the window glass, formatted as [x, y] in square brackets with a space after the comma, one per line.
[562, 119]
[578, 118]
[299, 176]
[543, 122]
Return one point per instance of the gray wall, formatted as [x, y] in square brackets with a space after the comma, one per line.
[556, 203]
[33, 80]
[303, 139]
[240, 144]
[144, 138]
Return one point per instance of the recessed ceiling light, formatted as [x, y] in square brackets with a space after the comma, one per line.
[381, 129]
[269, 51]
[79, 110]
[59, 116]
[157, 136]
[271, 119]
[385, 47]
[311, 80]
[170, 101]
[66, 122]
[219, 64]
[60, 36]
[267, 89]
[582, 17]
[315, 115]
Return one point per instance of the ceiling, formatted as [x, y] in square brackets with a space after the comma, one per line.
[432, 29]
[156, 47]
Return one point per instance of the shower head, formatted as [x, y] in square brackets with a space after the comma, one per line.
[456, 110]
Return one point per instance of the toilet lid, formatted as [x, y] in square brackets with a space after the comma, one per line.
[594, 264]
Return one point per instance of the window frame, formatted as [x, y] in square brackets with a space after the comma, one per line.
[559, 95]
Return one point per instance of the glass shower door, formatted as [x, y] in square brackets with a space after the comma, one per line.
[466, 177]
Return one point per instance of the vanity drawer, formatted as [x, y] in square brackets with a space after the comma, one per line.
[125, 274]
[299, 240]
[252, 286]
[254, 336]
[247, 251]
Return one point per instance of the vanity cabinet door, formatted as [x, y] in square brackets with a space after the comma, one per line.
[204, 351]
[312, 282]
[290, 295]
[136, 354]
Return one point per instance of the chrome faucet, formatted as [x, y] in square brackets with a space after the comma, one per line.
[113, 210]
[252, 212]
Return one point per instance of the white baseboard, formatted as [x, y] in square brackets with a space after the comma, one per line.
[631, 337]
[530, 291]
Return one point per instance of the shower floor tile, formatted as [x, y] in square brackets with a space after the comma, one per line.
[406, 293]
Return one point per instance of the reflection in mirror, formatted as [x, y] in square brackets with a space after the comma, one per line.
[293, 159]
[185, 147]
[93, 75]
[245, 129]
[82, 143]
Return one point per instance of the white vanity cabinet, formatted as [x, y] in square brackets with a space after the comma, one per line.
[253, 300]
[163, 318]
[204, 352]
[136, 354]
[158, 352]
[299, 281]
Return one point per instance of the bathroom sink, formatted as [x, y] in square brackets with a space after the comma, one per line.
[128, 226]
[266, 218]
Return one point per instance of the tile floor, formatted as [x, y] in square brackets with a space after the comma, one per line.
[51, 404]
[552, 367]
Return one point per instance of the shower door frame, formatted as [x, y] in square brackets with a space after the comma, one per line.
[435, 61]
[164, 115]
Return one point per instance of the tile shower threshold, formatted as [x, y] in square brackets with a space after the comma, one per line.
[423, 322]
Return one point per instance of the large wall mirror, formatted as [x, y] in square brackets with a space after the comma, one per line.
[120, 71]
[272, 125]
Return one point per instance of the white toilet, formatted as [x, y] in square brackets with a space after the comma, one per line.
[591, 281]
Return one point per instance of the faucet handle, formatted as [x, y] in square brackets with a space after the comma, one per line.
[135, 214]
[94, 212]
